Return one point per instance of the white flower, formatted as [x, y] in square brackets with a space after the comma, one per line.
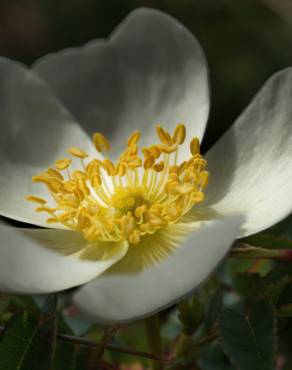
[151, 71]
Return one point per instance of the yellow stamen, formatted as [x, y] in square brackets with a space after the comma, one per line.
[134, 138]
[163, 135]
[179, 134]
[101, 143]
[34, 199]
[77, 152]
[63, 164]
[195, 146]
[136, 196]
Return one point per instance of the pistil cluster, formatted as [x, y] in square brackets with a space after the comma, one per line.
[143, 191]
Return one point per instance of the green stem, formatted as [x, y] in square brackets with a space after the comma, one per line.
[152, 326]
[182, 346]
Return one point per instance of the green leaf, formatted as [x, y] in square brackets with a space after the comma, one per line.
[16, 341]
[212, 310]
[249, 339]
[191, 314]
[213, 358]
[42, 349]
[271, 287]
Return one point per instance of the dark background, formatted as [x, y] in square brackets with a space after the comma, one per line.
[245, 40]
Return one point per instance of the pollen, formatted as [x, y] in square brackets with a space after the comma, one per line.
[145, 190]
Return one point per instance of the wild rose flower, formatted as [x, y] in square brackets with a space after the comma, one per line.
[141, 229]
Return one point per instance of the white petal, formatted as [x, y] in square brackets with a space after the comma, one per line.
[251, 165]
[35, 131]
[119, 297]
[28, 266]
[152, 70]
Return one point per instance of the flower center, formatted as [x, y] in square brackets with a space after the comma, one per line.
[138, 195]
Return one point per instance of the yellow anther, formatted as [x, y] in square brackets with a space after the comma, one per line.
[63, 164]
[78, 194]
[69, 186]
[179, 134]
[34, 199]
[101, 142]
[134, 138]
[148, 162]
[67, 201]
[40, 178]
[195, 146]
[158, 167]
[81, 183]
[135, 162]
[77, 174]
[66, 216]
[121, 169]
[168, 148]
[155, 151]
[204, 178]
[164, 136]
[95, 180]
[52, 220]
[52, 183]
[46, 209]
[54, 173]
[130, 151]
[109, 167]
[146, 152]
[77, 152]
[93, 167]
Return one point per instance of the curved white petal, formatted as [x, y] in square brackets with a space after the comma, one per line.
[251, 165]
[152, 70]
[119, 297]
[35, 131]
[29, 265]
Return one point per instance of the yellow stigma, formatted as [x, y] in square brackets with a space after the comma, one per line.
[137, 195]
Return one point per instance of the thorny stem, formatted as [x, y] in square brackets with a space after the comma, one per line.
[108, 347]
[108, 333]
[242, 250]
[153, 332]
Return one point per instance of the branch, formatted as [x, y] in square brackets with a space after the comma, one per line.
[242, 250]
[109, 347]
